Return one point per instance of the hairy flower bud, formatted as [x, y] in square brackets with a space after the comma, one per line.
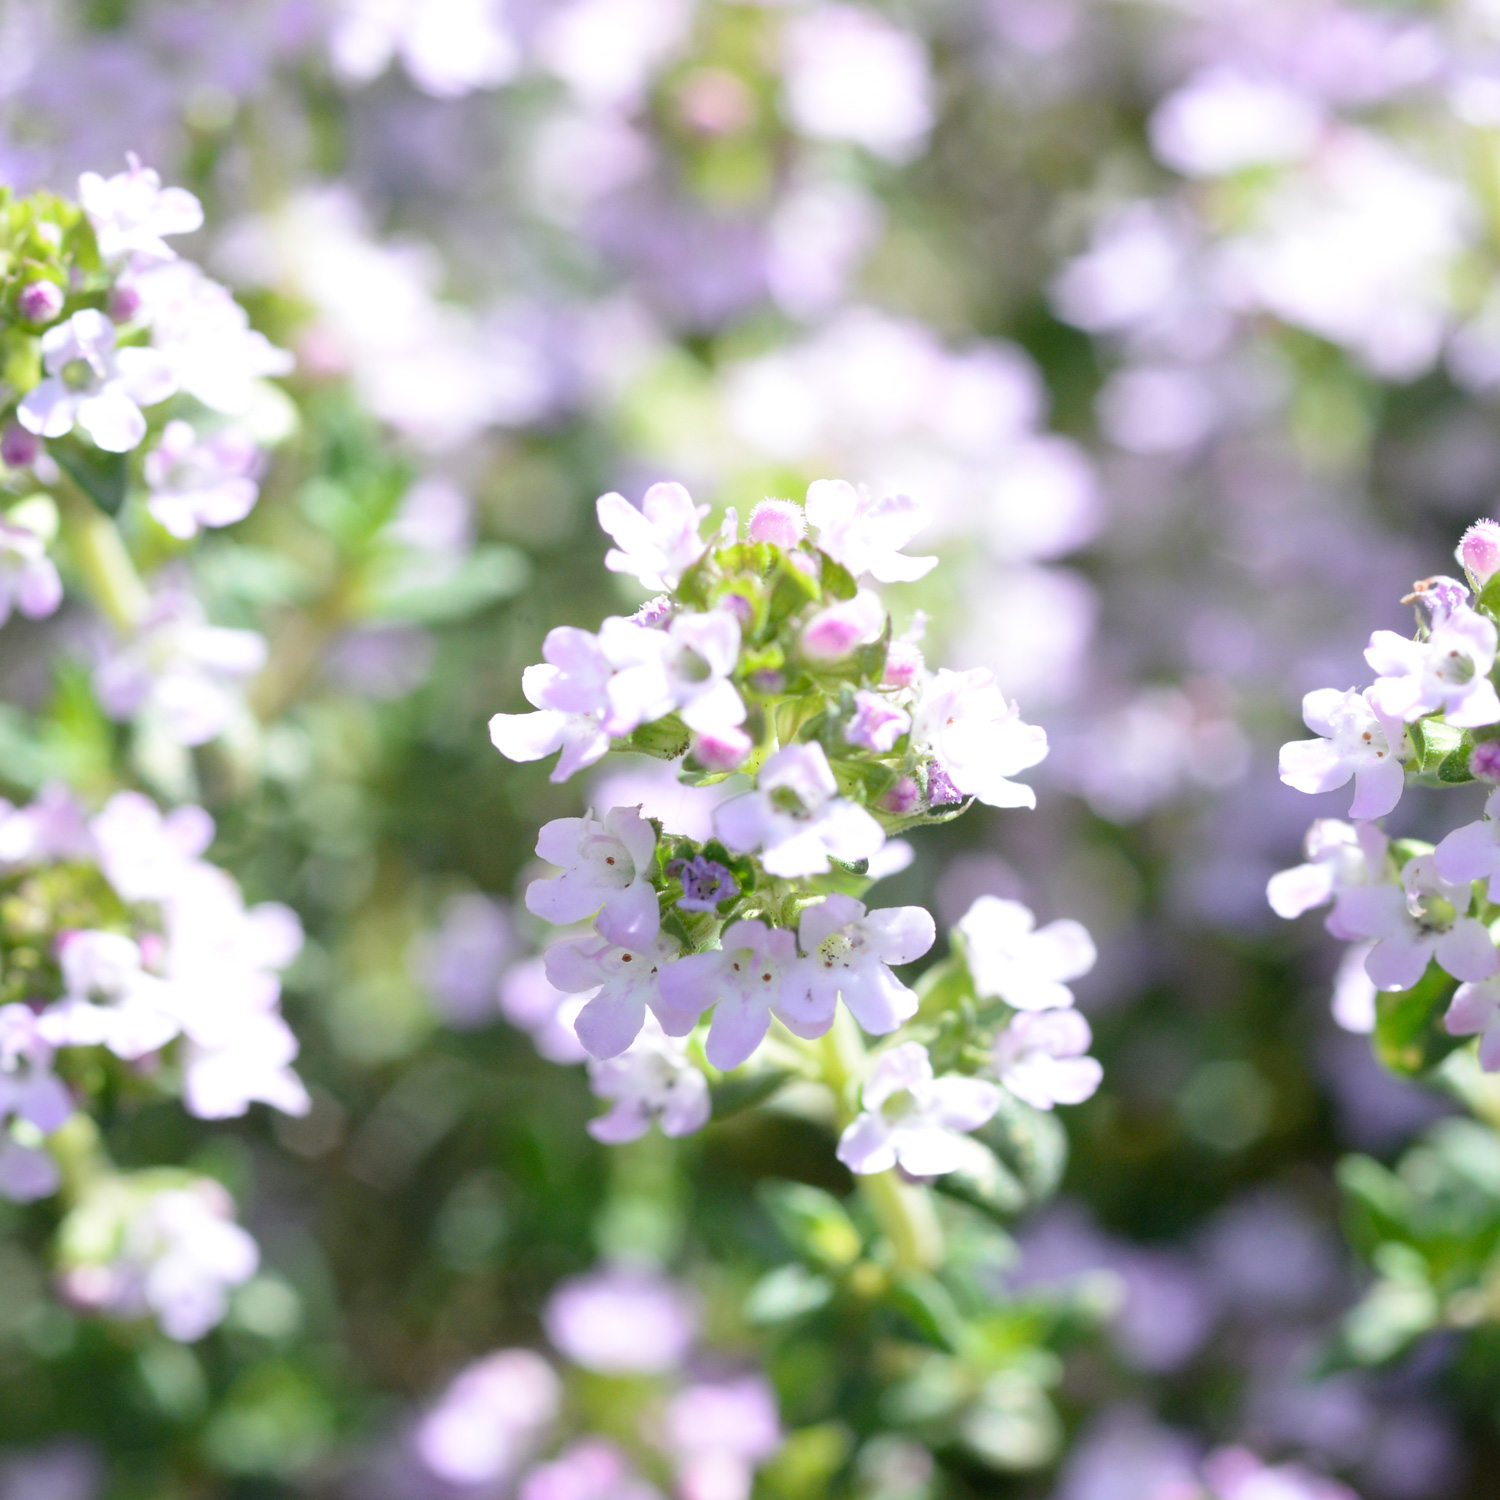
[1484, 761]
[39, 301]
[780, 522]
[1479, 552]
[124, 303]
[903, 664]
[837, 630]
[725, 751]
[903, 799]
[18, 448]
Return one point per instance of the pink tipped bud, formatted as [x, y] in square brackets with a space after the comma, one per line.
[779, 522]
[903, 799]
[39, 301]
[1484, 761]
[1479, 552]
[18, 448]
[740, 607]
[124, 304]
[903, 665]
[835, 632]
[726, 751]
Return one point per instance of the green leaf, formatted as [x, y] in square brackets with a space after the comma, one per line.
[1407, 1040]
[1453, 769]
[930, 1306]
[788, 1292]
[986, 1183]
[812, 1222]
[1013, 1425]
[837, 579]
[1032, 1143]
[665, 738]
[103, 477]
[733, 1094]
[486, 576]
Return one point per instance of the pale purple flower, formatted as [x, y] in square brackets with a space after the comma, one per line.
[29, 1091]
[145, 855]
[110, 999]
[1358, 740]
[904, 664]
[1472, 852]
[877, 723]
[852, 76]
[622, 982]
[1237, 1474]
[19, 449]
[198, 482]
[52, 826]
[461, 962]
[727, 750]
[131, 213]
[652, 1080]
[1448, 671]
[1354, 992]
[719, 1432]
[1423, 918]
[657, 543]
[568, 690]
[978, 740]
[705, 882]
[589, 1469]
[1479, 552]
[903, 799]
[848, 951]
[28, 577]
[704, 651]
[1484, 761]
[622, 1321]
[782, 523]
[91, 383]
[913, 1120]
[530, 1001]
[606, 869]
[796, 817]
[754, 975]
[179, 672]
[1475, 1011]
[448, 47]
[1340, 857]
[1223, 120]
[490, 1419]
[1011, 959]
[866, 535]
[835, 631]
[40, 302]
[1040, 1058]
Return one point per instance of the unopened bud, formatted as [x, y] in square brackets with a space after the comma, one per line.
[18, 448]
[39, 301]
[940, 789]
[780, 522]
[726, 751]
[835, 632]
[740, 607]
[1484, 761]
[124, 304]
[877, 724]
[903, 665]
[903, 799]
[1479, 552]
[768, 681]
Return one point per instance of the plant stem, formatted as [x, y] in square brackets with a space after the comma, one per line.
[78, 1150]
[102, 561]
[903, 1209]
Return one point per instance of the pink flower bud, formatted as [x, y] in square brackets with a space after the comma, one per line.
[835, 632]
[1484, 760]
[903, 665]
[779, 522]
[903, 799]
[124, 304]
[726, 751]
[740, 607]
[1479, 551]
[18, 448]
[768, 681]
[39, 301]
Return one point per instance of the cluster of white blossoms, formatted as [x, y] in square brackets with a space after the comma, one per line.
[1433, 715]
[770, 663]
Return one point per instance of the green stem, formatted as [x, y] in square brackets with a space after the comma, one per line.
[78, 1150]
[99, 554]
[902, 1209]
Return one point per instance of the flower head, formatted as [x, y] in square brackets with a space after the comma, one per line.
[780, 522]
[606, 868]
[201, 481]
[977, 740]
[705, 882]
[1479, 552]
[1358, 740]
[658, 542]
[877, 723]
[866, 535]
[1449, 671]
[28, 577]
[848, 952]
[1340, 857]
[652, 1080]
[622, 981]
[1040, 1058]
[1011, 959]
[619, 1321]
[490, 1419]
[132, 212]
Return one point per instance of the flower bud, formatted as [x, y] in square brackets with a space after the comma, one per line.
[903, 664]
[780, 522]
[940, 789]
[727, 750]
[768, 681]
[740, 607]
[124, 304]
[39, 301]
[654, 613]
[876, 724]
[19, 449]
[835, 632]
[1484, 761]
[903, 799]
[1479, 552]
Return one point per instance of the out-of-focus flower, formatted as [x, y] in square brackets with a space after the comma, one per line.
[1040, 1058]
[91, 383]
[1222, 120]
[202, 481]
[1011, 959]
[1358, 740]
[131, 213]
[448, 47]
[912, 1119]
[460, 964]
[590, 1469]
[30, 1092]
[147, 855]
[848, 953]
[607, 51]
[718, 1433]
[866, 535]
[620, 1321]
[1475, 1011]
[1237, 1474]
[1472, 852]
[652, 1080]
[605, 865]
[28, 577]
[530, 1000]
[490, 1419]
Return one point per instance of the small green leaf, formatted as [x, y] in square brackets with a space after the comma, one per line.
[665, 738]
[788, 1292]
[103, 477]
[838, 580]
[986, 1183]
[1407, 1040]
[1030, 1142]
[813, 1223]
[733, 1094]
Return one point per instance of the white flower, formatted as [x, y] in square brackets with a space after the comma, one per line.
[448, 47]
[796, 817]
[848, 951]
[1473, 851]
[754, 975]
[1358, 740]
[1040, 1058]
[144, 855]
[1449, 671]
[977, 739]
[914, 1120]
[253, 1065]
[132, 211]
[1354, 991]
[110, 999]
[1010, 961]
[568, 688]
[651, 1080]
[1340, 857]
[28, 577]
[1475, 1011]
[91, 383]
[604, 865]
[705, 649]
[620, 983]
[657, 543]
[201, 481]
[490, 1419]
[1421, 919]
[866, 535]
